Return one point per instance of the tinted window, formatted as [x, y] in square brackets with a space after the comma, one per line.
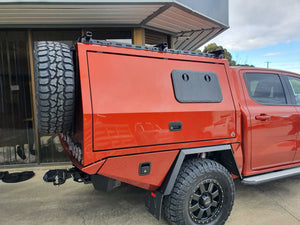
[196, 86]
[295, 86]
[265, 89]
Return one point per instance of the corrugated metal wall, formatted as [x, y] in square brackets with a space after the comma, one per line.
[154, 38]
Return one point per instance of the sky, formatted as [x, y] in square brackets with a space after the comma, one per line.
[264, 31]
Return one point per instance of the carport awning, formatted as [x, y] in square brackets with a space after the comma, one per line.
[190, 28]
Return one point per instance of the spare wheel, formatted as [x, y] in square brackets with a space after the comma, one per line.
[54, 87]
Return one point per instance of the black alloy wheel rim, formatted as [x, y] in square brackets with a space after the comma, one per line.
[206, 201]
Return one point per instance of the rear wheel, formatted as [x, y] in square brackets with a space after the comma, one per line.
[54, 87]
[203, 194]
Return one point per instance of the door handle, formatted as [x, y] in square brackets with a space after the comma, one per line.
[262, 117]
[175, 126]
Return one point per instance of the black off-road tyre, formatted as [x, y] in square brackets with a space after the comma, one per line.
[203, 194]
[54, 87]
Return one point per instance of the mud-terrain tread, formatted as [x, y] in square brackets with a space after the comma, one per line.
[191, 170]
[54, 87]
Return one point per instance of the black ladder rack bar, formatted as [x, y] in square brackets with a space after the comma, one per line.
[90, 40]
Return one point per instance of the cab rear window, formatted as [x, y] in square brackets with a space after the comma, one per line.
[265, 88]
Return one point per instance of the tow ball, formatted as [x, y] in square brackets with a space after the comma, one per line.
[59, 176]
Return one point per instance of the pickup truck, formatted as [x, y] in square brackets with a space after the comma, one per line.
[179, 124]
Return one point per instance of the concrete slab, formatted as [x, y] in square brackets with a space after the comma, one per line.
[36, 202]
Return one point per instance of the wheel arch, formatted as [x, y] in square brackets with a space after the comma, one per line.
[222, 154]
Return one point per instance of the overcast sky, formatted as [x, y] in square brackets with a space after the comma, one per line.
[264, 31]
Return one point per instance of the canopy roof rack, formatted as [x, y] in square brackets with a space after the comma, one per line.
[163, 47]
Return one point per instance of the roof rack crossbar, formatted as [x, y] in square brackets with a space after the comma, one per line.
[158, 48]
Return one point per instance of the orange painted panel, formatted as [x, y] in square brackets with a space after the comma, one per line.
[126, 168]
[133, 102]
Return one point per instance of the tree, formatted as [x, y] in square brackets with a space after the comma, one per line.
[214, 47]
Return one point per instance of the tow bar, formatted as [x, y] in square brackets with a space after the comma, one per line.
[59, 176]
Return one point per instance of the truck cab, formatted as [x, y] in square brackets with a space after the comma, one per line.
[270, 118]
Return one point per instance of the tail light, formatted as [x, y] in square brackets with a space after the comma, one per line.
[74, 148]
